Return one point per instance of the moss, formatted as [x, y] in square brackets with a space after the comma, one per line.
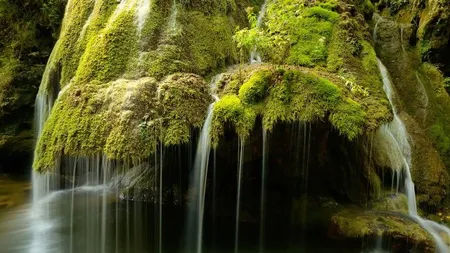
[64, 53]
[287, 94]
[397, 203]
[299, 35]
[361, 75]
[255, 88]
[123, 119]
[106, 58]
[348, 118]
[230, 109]
[107, 55]
[440, 137]
[358, 224]
[182, 97]
[439, 106]
[209, 41]
[165, 60]
[375, 184]
[200, 44]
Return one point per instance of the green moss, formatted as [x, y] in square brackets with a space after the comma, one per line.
[107, 55]
[229, 109]
[375, 184]
[307, 31]
[397, 203]
[359, 224]
[123, 119]
[165, 60]
[182, 97]
[209, 41]
[439, 106]
[280, 94]
[65, 54]
[348, 118]
[441, 138]
[255, 88]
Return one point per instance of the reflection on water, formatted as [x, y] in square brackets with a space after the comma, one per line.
[125, 227]
[13, 192]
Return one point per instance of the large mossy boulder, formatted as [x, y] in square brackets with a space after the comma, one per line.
[114, 64]
[113, 73]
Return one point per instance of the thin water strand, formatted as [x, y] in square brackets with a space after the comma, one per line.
[200, 174]
[263, 191]
[255, 57]
[238, 197]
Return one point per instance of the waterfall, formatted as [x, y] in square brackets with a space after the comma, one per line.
[255, 57]
[400, 154]
[173, 25]
[214, 198]
[87, 23]
[200, 174]
[241, 145]
[160, 196]
[401, 38]
[263, 191]
[423, 97]
[142, 12]
[375, 29]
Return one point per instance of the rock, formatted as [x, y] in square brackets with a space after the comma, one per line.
[359, 224]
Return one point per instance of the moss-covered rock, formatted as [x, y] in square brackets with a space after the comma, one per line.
[424, 106]
[289, 94]
[114, 63]
[391, 202]
[358, 224]
[124, 119]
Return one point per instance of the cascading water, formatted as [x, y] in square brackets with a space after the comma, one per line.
[199, 176]
[142, 12]
[423, 97]
[400, 157]
[255, 57]
[173, 25]
[263, 191]
[241, 145]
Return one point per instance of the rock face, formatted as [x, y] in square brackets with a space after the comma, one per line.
[424, 105]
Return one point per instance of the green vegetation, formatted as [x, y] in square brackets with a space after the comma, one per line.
[391, 202]
[124, 119]
[28, 30]
[280, 94]
[229, 109]
[293, 33]
[105, 59]
[438, 119]
[359, 224]
[349, 118]
[254, 89]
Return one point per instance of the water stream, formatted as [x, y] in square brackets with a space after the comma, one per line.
[255, 57]
[199, 176]
[400, 154]
[263, 191]
[240, 160]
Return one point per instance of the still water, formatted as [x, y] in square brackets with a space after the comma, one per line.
[92, 219]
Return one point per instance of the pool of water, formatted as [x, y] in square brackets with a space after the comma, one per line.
[92, 220]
